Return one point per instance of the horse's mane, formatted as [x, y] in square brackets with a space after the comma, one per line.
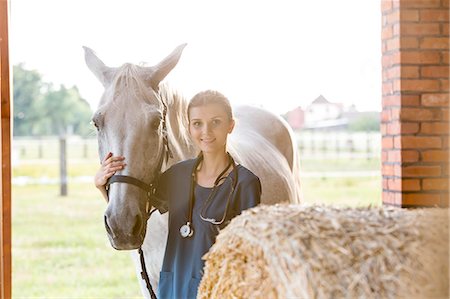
[177, 121]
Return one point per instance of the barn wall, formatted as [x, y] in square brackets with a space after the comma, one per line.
[415, 114]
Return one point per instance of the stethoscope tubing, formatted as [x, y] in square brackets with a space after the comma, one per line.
[186, 230]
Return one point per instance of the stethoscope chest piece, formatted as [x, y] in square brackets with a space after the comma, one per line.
[186, 230]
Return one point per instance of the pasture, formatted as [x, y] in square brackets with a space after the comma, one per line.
[60, 247]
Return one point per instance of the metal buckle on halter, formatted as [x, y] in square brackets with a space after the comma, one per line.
[150, 194]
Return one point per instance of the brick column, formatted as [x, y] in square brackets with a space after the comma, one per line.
[415, 115]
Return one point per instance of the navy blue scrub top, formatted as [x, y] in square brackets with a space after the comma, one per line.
[182, 267]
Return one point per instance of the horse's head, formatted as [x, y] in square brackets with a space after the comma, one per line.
[130, 122]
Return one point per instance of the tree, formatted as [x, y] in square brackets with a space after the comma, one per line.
[40, 109]
[27, 92]
[66, 112]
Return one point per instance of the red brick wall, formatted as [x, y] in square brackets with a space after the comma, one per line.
[415, 115]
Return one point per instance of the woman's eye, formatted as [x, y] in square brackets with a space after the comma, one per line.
[196, 124]
[155, 124]
[216, 122]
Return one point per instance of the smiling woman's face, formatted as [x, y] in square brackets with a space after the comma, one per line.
[209, 126]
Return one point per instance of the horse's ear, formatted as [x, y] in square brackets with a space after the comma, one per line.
[97, 67]
[160, 71]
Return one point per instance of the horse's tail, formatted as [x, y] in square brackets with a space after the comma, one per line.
[298, 195]
[298, 198]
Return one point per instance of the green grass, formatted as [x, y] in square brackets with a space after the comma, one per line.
[50, 168]
[60, 248]
[327, 164]
[351, 191]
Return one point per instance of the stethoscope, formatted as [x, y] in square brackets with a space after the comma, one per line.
[186, 230]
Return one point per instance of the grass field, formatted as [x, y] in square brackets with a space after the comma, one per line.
[60, 248]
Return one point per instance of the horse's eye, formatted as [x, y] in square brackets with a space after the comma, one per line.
[97, 120]
[94, 124]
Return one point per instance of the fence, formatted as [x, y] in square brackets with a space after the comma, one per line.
[47, 148]
[339, 144]
[312, 145]
[40, 160]
[50, 160]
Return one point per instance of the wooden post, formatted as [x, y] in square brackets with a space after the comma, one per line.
[63, 165]
[5, 170]
[40, 149]
[337, 144]
[85, 148]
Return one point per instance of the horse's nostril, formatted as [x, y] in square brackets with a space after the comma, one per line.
[108, 229]
[137, 226]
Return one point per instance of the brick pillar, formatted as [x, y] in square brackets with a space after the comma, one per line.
[415, 115]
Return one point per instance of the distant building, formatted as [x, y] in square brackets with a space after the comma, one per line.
[322, 114]
[319, 113]
[321, 109]
[296, 118]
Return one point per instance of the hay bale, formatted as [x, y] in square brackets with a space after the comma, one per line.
[297, 251]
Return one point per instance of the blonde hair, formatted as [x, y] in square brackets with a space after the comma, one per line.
[210, 97]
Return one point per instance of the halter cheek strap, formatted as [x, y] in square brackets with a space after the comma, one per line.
[165, 137]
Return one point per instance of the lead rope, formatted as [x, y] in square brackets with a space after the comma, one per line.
[144, 274]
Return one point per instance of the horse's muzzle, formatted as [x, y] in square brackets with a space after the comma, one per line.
[122, 238]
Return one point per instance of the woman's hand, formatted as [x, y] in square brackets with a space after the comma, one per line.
[110, 165]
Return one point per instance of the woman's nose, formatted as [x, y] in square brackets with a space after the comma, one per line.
[206, 128]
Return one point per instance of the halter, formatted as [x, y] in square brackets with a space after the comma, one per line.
[149, 188]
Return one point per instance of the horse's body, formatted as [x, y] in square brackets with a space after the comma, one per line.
[129, 124]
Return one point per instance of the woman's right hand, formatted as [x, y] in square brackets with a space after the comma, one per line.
[110, 165]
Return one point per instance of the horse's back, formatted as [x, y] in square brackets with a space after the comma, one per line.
[263, 143]
[269, 125]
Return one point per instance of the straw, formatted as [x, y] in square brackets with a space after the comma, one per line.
[300, 251]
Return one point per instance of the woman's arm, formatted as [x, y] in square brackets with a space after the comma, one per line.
[110, 165]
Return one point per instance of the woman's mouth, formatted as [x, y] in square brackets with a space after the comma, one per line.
[208, 140]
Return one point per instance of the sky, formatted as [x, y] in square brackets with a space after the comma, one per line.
[275, 54]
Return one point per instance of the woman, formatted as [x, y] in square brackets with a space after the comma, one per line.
[202, 194]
